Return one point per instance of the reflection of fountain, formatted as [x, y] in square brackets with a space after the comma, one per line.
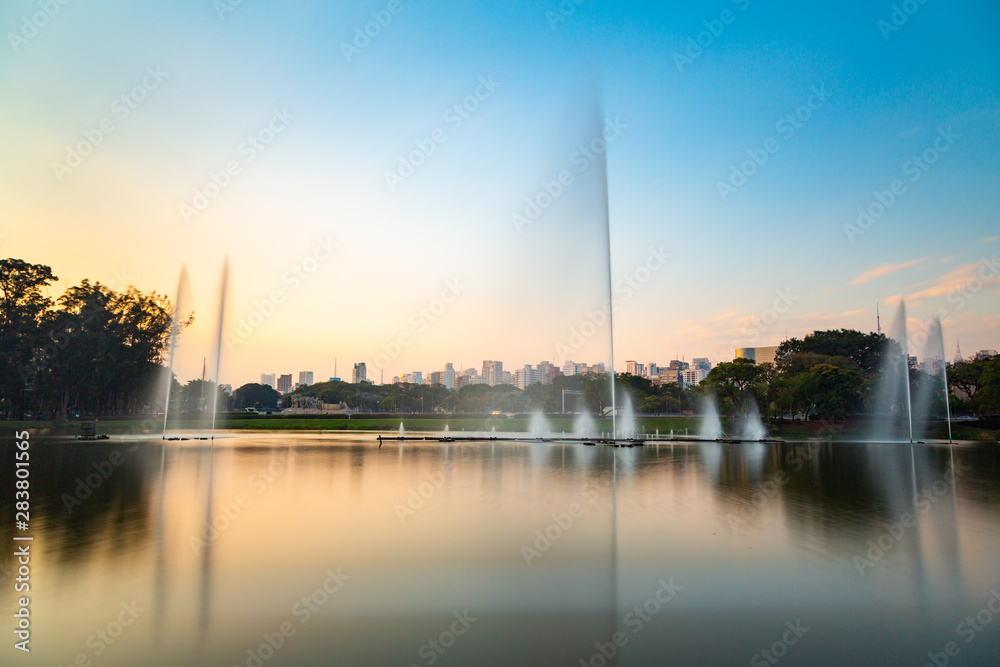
[711, 426]
[584, 425]
[752, 428]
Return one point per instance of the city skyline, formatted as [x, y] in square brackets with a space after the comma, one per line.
[760, 185]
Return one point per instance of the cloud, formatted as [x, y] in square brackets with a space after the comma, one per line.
[956, 279]
[992, 239]
[885, 270]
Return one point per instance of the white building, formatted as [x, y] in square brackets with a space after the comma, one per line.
[448, 376]
[305, 378]
[269, 380]
[360, 373]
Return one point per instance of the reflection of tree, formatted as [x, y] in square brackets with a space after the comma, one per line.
[117, 511]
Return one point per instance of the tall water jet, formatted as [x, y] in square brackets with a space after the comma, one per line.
[177, 324]
[932, 381]
[892, 400]
[711, 425]
[223, 289]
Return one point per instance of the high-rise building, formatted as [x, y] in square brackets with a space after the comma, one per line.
[435, 378]
[703, 364]
[543, 371]
[268, 380]
[305, 378]
[652, 369]
[691, 376]
[360, 373]
[448, 376]
[986, 354]
[551, 373]
[570, 368]
[285, 383]
[527, 376]
[493, 372]
[635, 368]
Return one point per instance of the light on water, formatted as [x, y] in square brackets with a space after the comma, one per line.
[418, 534]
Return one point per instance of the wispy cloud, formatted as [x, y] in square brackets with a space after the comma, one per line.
[885, 270]
[992, 239]
[955, 279]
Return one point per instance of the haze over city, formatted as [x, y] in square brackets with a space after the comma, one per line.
[797, 167]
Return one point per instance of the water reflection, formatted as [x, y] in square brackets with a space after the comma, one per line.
[851, 535]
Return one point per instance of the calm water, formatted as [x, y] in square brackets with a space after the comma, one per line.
[341, 553]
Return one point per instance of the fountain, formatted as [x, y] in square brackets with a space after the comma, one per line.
[584, 425]
[711, 426]
[892, 400]
[751, 426]
[223, 288]
[538, 426]
[627, 425]
[402, 433]
[177, 324]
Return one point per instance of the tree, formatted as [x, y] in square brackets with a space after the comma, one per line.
[254, 395]
[865, 349]
[735, 383]
[988, 398]
[24, 310]
[968, 378]
[834, 392]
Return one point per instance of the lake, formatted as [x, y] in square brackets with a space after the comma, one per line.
[327, 549]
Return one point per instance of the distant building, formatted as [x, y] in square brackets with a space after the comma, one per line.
[635, 368]
[761, 355]
[986, 354]
[678, 365]
[285, 383]
[551, 373]
[360, 373]
[691, 376]
[493, 372]
[570, 368]
[652, 369]
[702, 364]
[543, 371]
[435, 378]
[527, 376]
[448, 376]
[305, 378]
[667, 376]
[269, 380]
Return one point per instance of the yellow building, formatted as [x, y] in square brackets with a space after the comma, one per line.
[761, 355]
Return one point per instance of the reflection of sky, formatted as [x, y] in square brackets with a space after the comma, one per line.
[324, 174]
[436, 528]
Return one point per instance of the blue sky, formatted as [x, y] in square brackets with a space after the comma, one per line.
[323, 177]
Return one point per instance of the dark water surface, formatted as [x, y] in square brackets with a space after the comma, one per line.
[280, 549]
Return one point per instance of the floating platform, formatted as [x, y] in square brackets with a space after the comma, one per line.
[609, 442]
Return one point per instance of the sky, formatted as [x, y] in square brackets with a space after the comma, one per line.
[452, 185]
